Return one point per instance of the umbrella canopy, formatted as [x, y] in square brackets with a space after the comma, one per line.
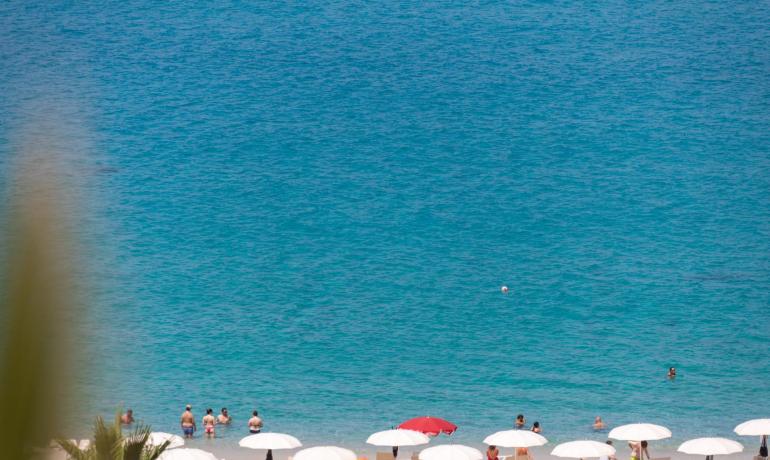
[757, 427]
[451, 452]
[270, 441]
[157, 438]
[515, 438]
[325, 453]
[186, 454]
[583, 449]
[432, 426]
[710, 446]
[396, 438]
[640, 432]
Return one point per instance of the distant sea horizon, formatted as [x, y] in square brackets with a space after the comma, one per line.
[310, 209]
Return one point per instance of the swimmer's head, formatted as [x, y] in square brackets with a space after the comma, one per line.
[504, 289]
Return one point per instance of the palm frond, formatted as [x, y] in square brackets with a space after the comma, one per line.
[153, 452]
[73, 450]
[134, 445]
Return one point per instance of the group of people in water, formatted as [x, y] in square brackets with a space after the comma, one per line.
[638, 449]
[209, 421]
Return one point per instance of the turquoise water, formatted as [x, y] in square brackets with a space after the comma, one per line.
[310, 207]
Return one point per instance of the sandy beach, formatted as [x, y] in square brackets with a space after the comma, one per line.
[541, 453]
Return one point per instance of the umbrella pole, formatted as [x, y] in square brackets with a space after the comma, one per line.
[395, 451]
[269, 455]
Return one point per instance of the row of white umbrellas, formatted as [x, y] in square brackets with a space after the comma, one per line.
[509, 438]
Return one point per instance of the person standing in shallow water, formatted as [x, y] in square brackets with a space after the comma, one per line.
[208, 423]
[224, 418]
[127, 418]
[255, 423]
[519, 424]
[536, 427]
[188, 422]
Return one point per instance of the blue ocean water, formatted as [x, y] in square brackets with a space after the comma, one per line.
[309, 208]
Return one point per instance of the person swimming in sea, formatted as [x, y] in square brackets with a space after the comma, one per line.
[671, 373]
[536, 427]
[519, 424]
[599, 424]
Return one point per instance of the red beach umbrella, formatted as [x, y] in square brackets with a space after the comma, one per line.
[431, 426]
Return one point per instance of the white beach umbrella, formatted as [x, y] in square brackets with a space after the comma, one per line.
[451, 452]
[640, 432]
[757, 427]
[515, 438]
[270, 442]
[325, 453]
[710, 447]
[397, 438]
[186, 454]
[157, 438]
[583, 449]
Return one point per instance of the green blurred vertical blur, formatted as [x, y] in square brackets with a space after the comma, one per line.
[37, 310]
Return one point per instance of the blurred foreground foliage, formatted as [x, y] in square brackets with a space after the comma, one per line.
[110, 444]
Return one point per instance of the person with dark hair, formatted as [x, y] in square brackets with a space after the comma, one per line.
[492, 452]
[639, 450]
[127, 418]
[519, 421]
[536, 427]
[224, 417]
[208, 423]
[608, 457]
[255, 423]
[671, 373]
[188, 422]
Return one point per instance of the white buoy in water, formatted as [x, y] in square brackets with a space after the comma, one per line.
[504, 289]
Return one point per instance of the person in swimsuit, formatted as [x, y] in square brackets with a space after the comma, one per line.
[599, 424]
[188, 422]
[671, 373]
[224, 418]
[639, 450]
[519, 421]
[536, 427]
[208, 423]
[255, 423]
[492, 452]
[522, 453]
[127, 418]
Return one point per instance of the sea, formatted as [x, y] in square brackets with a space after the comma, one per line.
[310, 208]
